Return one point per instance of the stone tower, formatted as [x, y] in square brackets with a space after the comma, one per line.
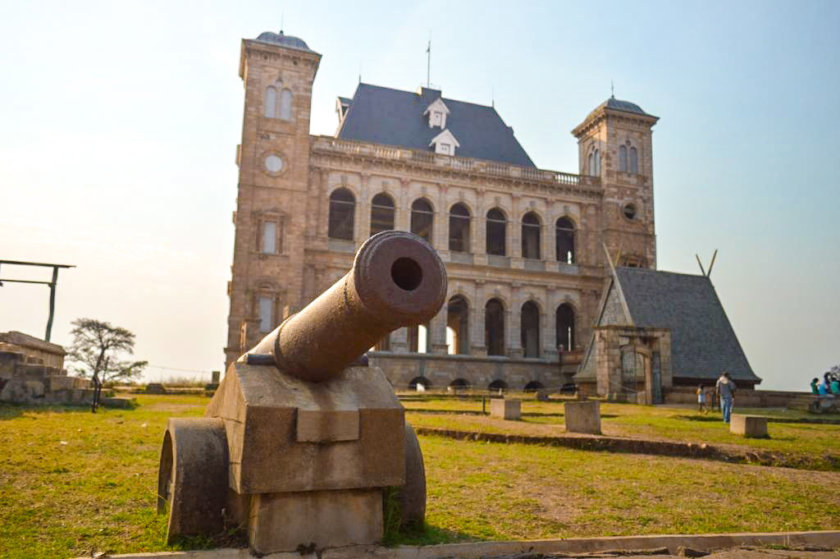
[278, 71]
[614, 144]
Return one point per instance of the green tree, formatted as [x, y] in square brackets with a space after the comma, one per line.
[99, 350]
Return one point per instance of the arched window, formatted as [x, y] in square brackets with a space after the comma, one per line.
[496, 232]
[270, 109]
[459, 228]
[634, 161]
[595, 163]
[459, 384]
[565, 236]
[565, 327]
[497, 385]
[457, 322]
[622, 158]
[531, 230]
[533, 386]
[342, 208]
[530, 326]
[494, 327]
[422, 219]
[419, 381]
[285, 111]
[381, 213]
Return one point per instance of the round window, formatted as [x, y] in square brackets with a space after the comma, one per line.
[630, 211]
[274, 163]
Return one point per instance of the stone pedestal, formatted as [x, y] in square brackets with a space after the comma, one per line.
[285, 521]
[583, 417]
[749, 426]
[310, 458]
[506, 409]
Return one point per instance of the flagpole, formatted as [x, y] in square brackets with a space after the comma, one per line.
[428, 63]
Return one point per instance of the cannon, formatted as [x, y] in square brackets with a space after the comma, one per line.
[302, 439]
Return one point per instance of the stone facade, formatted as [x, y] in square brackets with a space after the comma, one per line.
[284, 255]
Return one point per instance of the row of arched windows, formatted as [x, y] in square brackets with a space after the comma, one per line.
[458, 329]
[463, 384]
[278, 102]
[382, 215]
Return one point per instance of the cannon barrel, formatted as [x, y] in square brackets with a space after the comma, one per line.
[397, 280]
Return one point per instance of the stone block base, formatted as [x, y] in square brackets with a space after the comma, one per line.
[583, 417]
[749, 426]
[285, 521]
[506, 409]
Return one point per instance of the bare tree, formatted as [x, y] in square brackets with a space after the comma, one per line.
[97, 351]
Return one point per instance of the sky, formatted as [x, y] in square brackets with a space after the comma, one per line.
[119, 123]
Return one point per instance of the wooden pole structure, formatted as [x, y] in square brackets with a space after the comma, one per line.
[700, 264]
[712, 263]
[51, 284]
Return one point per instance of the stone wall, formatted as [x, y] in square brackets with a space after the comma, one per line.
[441, 371]
[745, 397]
[49, 354]
[27, 380]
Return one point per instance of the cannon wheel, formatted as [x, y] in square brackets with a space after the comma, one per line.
[193, 477]
[413, 495]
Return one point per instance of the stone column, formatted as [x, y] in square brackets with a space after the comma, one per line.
[549, 245]
[402, 217]
[399, 340]
[477, 341]
[478, 231]
[514, 233]
[363, 211]
[548, 334]
[513, 321]
[437, 332]
[440, 238]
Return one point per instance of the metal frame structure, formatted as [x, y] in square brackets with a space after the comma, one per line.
[52, 283]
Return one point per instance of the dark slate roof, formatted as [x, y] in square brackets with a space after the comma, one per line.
[703, 343]
[283, 39]
[392, 117]
[619, 105]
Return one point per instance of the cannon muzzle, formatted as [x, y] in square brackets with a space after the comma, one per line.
[397, 280]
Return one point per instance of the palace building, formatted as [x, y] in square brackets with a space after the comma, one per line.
[526, 249]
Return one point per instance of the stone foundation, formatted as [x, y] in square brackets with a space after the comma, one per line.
[25, 379]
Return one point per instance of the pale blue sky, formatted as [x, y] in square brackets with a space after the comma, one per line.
[119, 121]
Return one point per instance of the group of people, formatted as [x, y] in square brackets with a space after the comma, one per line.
[830, 386]
[724, 392]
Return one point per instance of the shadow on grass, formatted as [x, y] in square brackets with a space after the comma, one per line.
[701, 418]
[10, 410]
[431, 535]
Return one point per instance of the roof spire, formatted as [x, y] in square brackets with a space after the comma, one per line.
[612, 89]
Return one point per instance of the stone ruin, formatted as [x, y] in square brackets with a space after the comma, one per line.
[32, 372]
[303, 440]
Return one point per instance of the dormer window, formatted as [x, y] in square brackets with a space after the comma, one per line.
[445, 143]
[437, 112]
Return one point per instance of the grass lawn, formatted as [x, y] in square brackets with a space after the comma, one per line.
[72, 482]
[820, 443]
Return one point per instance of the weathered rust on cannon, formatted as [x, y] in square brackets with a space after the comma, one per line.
[397, 280]
[299, 442]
